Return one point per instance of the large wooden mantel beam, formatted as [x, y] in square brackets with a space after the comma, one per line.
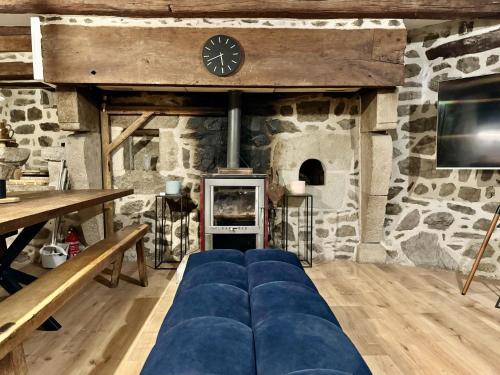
[273, 57]
[435, 9]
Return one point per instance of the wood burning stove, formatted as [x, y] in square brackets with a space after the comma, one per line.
[233, 202]
[233, 212]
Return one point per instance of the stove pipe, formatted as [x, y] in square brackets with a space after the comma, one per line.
[233, 129]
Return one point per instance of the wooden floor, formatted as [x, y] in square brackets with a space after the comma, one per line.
[403, 321]
[98, 326]
[414, 321]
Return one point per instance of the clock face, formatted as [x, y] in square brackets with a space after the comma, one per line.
[222, 55]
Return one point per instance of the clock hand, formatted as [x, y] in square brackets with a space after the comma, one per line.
[215, 57]
[221, 59]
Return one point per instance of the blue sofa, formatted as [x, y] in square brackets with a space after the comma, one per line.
[252, 313]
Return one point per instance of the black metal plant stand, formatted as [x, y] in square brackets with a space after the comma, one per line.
[167, 209]
[306, 202]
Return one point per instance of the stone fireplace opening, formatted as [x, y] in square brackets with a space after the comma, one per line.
[312, 172]
[313, 136]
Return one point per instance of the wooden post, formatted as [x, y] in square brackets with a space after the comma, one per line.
[106, 170]
[484, 245]
[14, 363]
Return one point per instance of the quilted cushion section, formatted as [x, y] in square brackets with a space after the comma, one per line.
[268, 271]
[202, 346]
[223, 255]
[220, 300]
[294, 342]
[259, 255]
[281, 297]
[215, 272]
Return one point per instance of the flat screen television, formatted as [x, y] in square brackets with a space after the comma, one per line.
[468, 130]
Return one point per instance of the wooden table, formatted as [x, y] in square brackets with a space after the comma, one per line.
[31, 214]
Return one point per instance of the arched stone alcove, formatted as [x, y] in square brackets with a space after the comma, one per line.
[312, 172]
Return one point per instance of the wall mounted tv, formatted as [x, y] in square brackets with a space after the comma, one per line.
[468, 130]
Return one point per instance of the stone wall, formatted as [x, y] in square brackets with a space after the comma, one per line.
[32, 113]
[274, 126]
[438, 217]
[33, 116]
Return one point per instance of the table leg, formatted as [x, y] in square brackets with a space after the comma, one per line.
[11, 279]
[19, 276]
[11, 286]
[21, 241]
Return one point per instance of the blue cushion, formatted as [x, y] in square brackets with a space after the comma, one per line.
[259, 255]
[293, 342]
[271, 270]
[280, 297]
[225, 255]
[220, 300]
[319, 372]
[201, 346]
[215, 272]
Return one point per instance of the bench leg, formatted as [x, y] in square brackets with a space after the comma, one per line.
[14, 363]
[117, 268]
[141, 264]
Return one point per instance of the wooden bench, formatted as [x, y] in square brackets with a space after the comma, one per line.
[26, 310]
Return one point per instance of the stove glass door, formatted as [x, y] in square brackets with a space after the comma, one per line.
[234, 206]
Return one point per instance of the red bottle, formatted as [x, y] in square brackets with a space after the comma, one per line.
[73, 243]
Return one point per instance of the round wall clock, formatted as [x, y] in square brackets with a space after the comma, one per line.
[222, 55]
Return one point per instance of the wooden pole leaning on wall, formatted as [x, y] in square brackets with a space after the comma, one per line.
[484, 245]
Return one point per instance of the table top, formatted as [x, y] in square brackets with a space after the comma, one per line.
[37, 207]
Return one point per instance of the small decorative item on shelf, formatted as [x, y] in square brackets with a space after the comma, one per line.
[7, 135]
[172, 187]
[297, 187]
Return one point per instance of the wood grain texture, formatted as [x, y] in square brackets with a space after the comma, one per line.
[273, 57]
[15, 43]
[15, 30]
[107, 182]
[16, 71]
[466, 46]
[36, 207]
[141, 262]
[136, 125]
[438, 9]
[26, 310]
[99, 325]
[14, 363]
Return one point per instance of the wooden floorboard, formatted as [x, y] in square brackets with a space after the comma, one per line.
[413, 320]
[98, 326]
[403, 320]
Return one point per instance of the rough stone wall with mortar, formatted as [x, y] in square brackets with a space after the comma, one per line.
[189, 146]
[438, 217]
[33, 116]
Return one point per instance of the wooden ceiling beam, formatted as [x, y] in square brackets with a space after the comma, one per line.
[15, 39]
[172, 56]
[432, 9]
[14, 71]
